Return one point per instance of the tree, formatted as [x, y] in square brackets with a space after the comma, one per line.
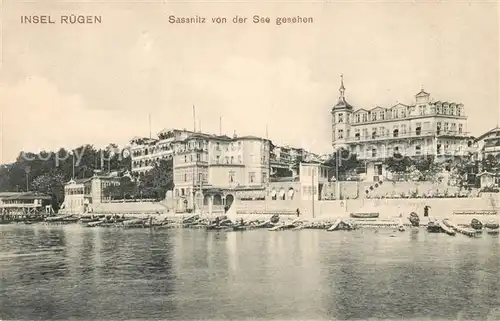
[50, 183]
[398, 164]
[346, 161]
[158, 180]
[127, 189]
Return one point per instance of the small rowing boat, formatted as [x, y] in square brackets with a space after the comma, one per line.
[364, 215]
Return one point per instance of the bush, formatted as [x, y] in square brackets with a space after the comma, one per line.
[489, 189]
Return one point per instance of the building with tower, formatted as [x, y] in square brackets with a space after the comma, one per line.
[424, 127]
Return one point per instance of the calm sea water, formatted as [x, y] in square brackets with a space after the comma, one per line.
[70, 272]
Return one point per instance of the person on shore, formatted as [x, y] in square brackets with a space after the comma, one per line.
[426, 210]
[298, 212]
[217, 221]
[241, 221]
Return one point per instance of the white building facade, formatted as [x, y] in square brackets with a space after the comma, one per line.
[425, 127]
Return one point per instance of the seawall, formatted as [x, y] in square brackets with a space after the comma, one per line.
[459, 210]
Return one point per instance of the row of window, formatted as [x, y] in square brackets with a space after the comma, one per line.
[397, 113]
[385, 132]
[418, 149]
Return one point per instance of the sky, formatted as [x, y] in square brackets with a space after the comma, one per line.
[63, 85]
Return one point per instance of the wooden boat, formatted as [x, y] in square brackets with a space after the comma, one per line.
[52, 219]
[334, 226]
[492, 231]
[215, 227]
[239, 228]
[433, 227]
[446, 228]
[476, 224]
[364, 215]
[414, 219]
[492, 224]
[94, 223]
[401, 228]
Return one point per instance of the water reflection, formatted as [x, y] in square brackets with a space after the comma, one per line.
[72, 272]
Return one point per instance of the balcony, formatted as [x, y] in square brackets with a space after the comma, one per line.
[407, 135]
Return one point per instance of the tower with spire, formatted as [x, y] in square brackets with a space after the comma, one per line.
[341, 118]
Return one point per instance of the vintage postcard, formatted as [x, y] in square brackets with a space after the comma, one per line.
[249, 160]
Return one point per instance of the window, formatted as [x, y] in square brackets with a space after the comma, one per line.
[356, 135]
[452, 110]
[438, 128]
[364, 117]
[217, 159]
[341, 133]
[264, 177]
[232, 159]
[358, 119]
[198, 157]
[445, 110]
[453, 127]
[227, 159]
[381, 131]
[395, 133]
[374, 116]
[217, 146]
[251, 177]
[231, 177]
[460, 128]
[185, 159]
[445, 127]
[382, 115]
[418, 150]
[200, 177]
[341, 118]
[365, 133]
[185, 177]
[374, 152]
[374, 133]
[403, 129]
[459, 111]
[418, 130]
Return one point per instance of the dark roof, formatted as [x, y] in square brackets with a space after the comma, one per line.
[342, 103]
[493, 130]
[422, 93]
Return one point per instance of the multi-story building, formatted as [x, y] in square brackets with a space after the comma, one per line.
[145, 152]
[83, 195]
[488, 151]
[209, 170]
[424, 127]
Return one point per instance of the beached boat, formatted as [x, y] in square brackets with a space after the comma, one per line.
[94, 223]
[364, 215]
[492, 224]
[335, 225]
[476, 224]
[239, 228]
[414, 219]
[214, 227]
[492, 227]
[433, 227]
[448, 230]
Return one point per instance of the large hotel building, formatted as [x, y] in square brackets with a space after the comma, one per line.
[209, 170]
[424, 127]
